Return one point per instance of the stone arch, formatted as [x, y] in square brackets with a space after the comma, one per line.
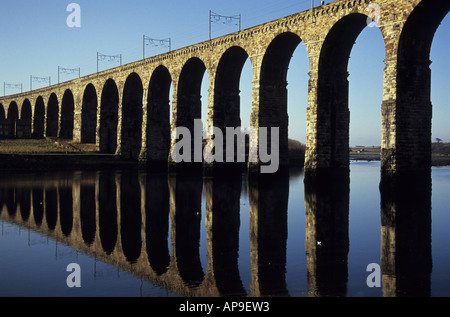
[227, 99]
[273, 90]
[13, 117]
[189, 105]
[413, 105]
[67, 115]
[25, 120]
[52, 116]
[25, 112]
[158, 116]
[89, 115]
[333, 115]
[39, 118]
[132, 113]
[109, 110]
[13, 112]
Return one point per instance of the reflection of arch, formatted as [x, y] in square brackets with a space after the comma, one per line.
[87, 212]
[89, 115]
[109, 117]
[24, 200]
[67, 116]
[268, 198]
[273, 90]
[157, 222]
[130, 216]
[38, 205]
[406, 257]
[185, 218]
[52, 116]
[39, 118]
[413, 117]
[51, 207]
[327, 237]
[107, 211]
[222, 211]
[11, 201]
[132, 117]
[158, 117]
[66, 210]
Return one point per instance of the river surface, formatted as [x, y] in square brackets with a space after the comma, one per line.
[136, 234]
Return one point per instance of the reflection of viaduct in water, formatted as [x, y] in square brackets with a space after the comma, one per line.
[125, 219]
[128, 219]
[405, 234]
[126, 110]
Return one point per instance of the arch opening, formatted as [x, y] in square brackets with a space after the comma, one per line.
[273, 94]
[131, 140]
[413, 107]
[67, 116]
[158, 117]
[188, 112]
[333, 114]
[89, 115]
[52, 116]
[39, 118]
[109, 110]
[24, 123]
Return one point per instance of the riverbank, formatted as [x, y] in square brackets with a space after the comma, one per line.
[50, 154]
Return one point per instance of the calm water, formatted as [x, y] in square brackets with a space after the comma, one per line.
[134, 234]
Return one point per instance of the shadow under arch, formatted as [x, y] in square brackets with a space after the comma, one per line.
[109, 111]
[25, 120]
[52, 117]
[13, 117]
[132, 112]
[158, 119]
[89, 115]
[39, 118]
[67, 116]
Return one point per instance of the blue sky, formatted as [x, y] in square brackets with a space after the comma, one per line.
[36, 40]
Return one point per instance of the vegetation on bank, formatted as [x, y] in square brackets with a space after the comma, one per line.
[54, 147]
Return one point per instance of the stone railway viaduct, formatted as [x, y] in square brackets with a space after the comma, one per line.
[126, 110]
